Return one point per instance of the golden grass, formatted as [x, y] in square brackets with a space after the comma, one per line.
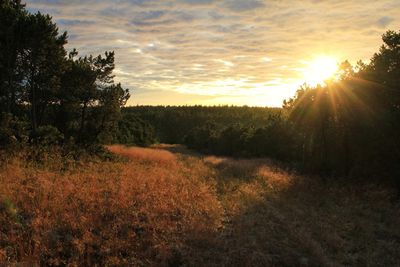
[143, 154]
[158, 209]
[132, 213]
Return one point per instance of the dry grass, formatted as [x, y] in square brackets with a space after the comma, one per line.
[276, 218]
[144, 154]
[160, 208]
[133, 213]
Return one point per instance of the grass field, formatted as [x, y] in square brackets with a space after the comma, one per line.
[167, 206]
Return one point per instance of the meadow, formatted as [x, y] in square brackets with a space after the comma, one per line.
[315, 182]
[169, 206]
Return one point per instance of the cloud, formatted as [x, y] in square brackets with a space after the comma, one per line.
[240, 5]
[149, 15]
[74, 22]
[384, 21]
[205, 51]
[198, 2]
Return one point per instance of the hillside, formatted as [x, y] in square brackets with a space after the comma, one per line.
[169, 206]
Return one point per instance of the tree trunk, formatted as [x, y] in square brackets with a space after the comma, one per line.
[83, 118]
[347, 151]
[33, 103]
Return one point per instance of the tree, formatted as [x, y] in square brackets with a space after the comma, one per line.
[39, 82]
[90, 101]
[12, 21]
[383, 73]
[43, 58]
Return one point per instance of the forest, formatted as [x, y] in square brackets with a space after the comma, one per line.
[63, 121]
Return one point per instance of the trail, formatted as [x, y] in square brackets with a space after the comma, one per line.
[275, 218]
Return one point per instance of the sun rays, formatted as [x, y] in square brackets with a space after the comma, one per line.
[320, 69]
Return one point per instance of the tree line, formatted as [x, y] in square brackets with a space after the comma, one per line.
[48, 95]
[349, 127]
[173, 123]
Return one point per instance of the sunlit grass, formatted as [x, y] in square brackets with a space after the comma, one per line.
[162, 208]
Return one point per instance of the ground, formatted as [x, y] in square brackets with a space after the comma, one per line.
[167, 205]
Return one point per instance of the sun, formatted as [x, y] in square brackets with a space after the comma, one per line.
[319, 70]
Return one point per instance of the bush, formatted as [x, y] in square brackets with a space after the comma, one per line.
[12, 130]
[48, 135]
[202, 137]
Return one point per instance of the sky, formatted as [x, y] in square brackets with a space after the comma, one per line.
[220, 52]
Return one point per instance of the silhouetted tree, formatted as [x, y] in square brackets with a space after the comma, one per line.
[40, 84]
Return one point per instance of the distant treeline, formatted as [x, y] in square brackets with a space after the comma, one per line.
[348, 127]
[223, 130]
[49, 96]
[173, 124]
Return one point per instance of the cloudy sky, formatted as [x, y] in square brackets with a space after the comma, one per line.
[240, 52]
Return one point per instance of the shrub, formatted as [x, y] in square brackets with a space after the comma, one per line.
[48, 135]
[12, 130]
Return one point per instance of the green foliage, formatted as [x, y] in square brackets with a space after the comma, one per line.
[12, 130]
[224, 130]
[8, 206]
[203, 137]
[233, 140]
[275, 140]
[48, 135]
[173, 123]
[60, 95]
[134, 131]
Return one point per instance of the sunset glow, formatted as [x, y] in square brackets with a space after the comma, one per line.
[319, 70]
[223, 52]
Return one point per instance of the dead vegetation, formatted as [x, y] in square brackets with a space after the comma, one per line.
[160, 208]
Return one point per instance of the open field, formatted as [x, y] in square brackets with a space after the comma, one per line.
[168, 206]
